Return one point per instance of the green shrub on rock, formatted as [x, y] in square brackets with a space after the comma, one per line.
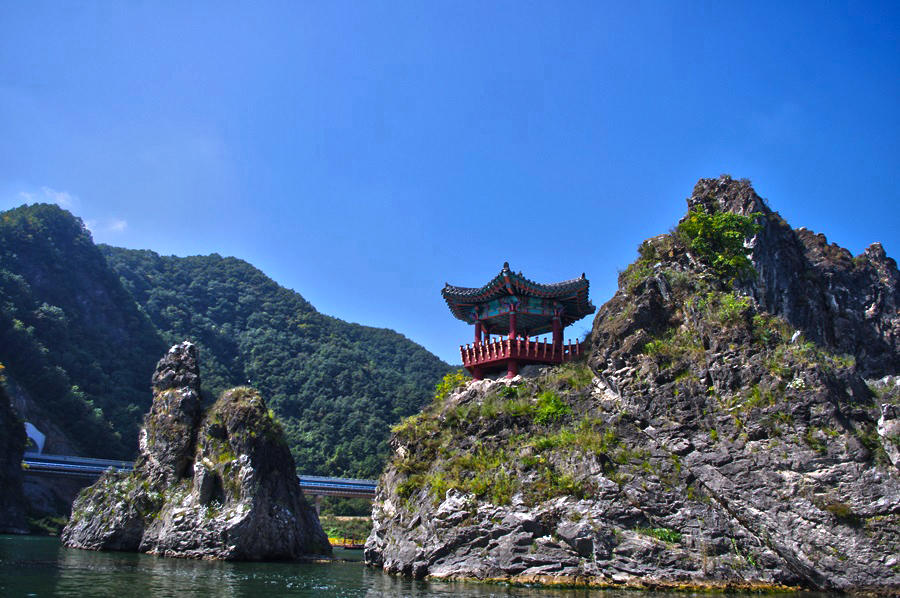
[718, 240]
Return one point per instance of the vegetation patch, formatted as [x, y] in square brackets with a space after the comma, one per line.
[844, 513]
[450, 382]
[663, 534]
[718, 240]
[351, 529]
[577, 375]
[47, 525]
[482, 472]
[443, 447]
[589, 435]
[725, 309]
[677, 343]
[815, 439]
[550, 408]
[868, 435]
[635, 274]
[769, 330]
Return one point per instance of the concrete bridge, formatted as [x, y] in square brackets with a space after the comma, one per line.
[88, 469]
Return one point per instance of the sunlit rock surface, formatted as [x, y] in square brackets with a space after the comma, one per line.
[721, 433]
[218, 485]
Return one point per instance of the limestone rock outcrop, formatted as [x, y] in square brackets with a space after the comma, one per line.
[848, 304]
[721, 433]
[218, 485]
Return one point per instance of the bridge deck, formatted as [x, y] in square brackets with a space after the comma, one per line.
[87, 468]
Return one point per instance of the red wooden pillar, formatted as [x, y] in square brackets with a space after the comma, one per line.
[477, 331]
[512, 368]
[557, 333]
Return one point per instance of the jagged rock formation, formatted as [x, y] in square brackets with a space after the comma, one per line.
[721, 434]
[849, 305]
[12, 446]
[220, 485]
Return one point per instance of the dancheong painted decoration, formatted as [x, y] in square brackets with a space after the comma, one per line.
[510, 305]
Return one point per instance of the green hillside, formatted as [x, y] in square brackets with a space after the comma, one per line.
[336, 386]
[84, 325]
[72, 337]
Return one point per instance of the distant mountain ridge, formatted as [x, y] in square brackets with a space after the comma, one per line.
[336, 386]
[84, 324]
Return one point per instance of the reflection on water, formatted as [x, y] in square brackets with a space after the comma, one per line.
[121, 574]
[38, 566]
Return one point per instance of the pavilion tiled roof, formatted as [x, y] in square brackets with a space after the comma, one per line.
[572, 294]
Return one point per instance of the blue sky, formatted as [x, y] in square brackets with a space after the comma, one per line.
[365, 153]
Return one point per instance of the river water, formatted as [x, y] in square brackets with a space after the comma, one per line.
[40, 566]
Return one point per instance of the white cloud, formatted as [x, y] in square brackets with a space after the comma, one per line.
[63, 199]
[117, 225]
[110, 225]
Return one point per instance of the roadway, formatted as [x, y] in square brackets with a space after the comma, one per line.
[90, 469]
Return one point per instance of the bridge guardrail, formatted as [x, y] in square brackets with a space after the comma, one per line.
[90, 467]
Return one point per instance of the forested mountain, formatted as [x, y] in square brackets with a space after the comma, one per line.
[77, 338]
[336, 386]
[73, 339]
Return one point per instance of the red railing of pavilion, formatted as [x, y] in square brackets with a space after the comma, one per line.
[526, 349]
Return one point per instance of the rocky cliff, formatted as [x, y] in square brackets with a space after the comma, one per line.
[844, 303]
[721, 433]
[217, 485]
[12, 445]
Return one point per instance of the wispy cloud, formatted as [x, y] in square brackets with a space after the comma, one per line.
[110, 225]
[117, 225]
[63, 199]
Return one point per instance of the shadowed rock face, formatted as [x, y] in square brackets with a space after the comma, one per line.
[851, 305]
[12, 446]
[168, 436]
[717, 436]
[220, 485]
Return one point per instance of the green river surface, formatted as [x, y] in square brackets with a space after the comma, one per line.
[40, 566]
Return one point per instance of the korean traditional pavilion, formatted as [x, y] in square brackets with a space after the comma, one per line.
[510, 305]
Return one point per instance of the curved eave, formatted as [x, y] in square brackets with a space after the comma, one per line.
[572, 293]
[510, 283]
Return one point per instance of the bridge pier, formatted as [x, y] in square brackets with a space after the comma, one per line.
[318, 498]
